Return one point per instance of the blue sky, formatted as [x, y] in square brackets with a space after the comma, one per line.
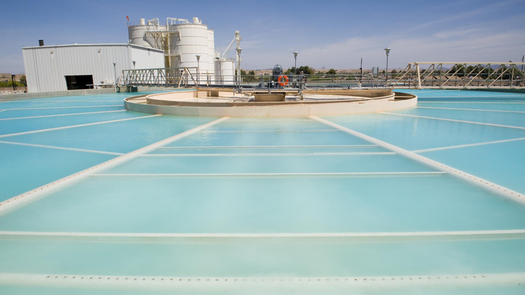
[331, 34]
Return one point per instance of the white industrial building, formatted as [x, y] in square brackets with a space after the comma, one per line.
[178, 44]
[82, 66]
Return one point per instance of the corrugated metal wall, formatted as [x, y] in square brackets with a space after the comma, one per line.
[146, 58]
[47, 66]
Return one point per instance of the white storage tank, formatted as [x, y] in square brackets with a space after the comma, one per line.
[181, 41]
[228, 71]
[138, 34]
[224, 72]
[190, 41]
[211, 47]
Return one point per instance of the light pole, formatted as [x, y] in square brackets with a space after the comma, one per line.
[387, 50]
[198, 68]
[239, 66]
[361, 73]
[295, 68]
[522, 61]
[13, 83]
[115, 69]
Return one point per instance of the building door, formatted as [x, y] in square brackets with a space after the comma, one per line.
[79, 82]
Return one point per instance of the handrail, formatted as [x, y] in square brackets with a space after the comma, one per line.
[435, 75]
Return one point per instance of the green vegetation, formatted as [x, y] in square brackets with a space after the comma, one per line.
[481, 71]
[393, 74]
[306, 70]
[6, 82]
[10, 84]
[249, 77]
[331, 72]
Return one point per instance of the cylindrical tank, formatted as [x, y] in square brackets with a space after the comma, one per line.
[186, 41]
[224, 71]
[136, 35]
[227, 72]
[217, 66]
[192, 40]
[211, 48]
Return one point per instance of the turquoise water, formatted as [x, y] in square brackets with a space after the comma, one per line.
[16, 126]
[266, 258]
[420, 133]
[12, 114]
[504, 106]
[269, 164]
[170, 191]
[276, 125]
[119, 137]
[59, 102]
[267, 205]
[507, 119]
[27, 167]
[269, 139]
[465, 95]
[489, 161]
[274, 150]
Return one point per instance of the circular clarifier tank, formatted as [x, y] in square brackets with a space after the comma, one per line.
[218, 102]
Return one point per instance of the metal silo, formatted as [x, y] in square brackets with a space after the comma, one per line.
[144, 34]
[228, 71]
[181, 41]
[187, 41]
[137, 33]
[211, 49]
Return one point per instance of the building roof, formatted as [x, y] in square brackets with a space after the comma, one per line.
[92, 45]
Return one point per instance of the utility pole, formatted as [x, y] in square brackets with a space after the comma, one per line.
[239, 67]
[523, 61]
[361, 73]
[295, 68]
[13, 82]
[115, 68]
[198, 69]
[387, 50]
[238, 49]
